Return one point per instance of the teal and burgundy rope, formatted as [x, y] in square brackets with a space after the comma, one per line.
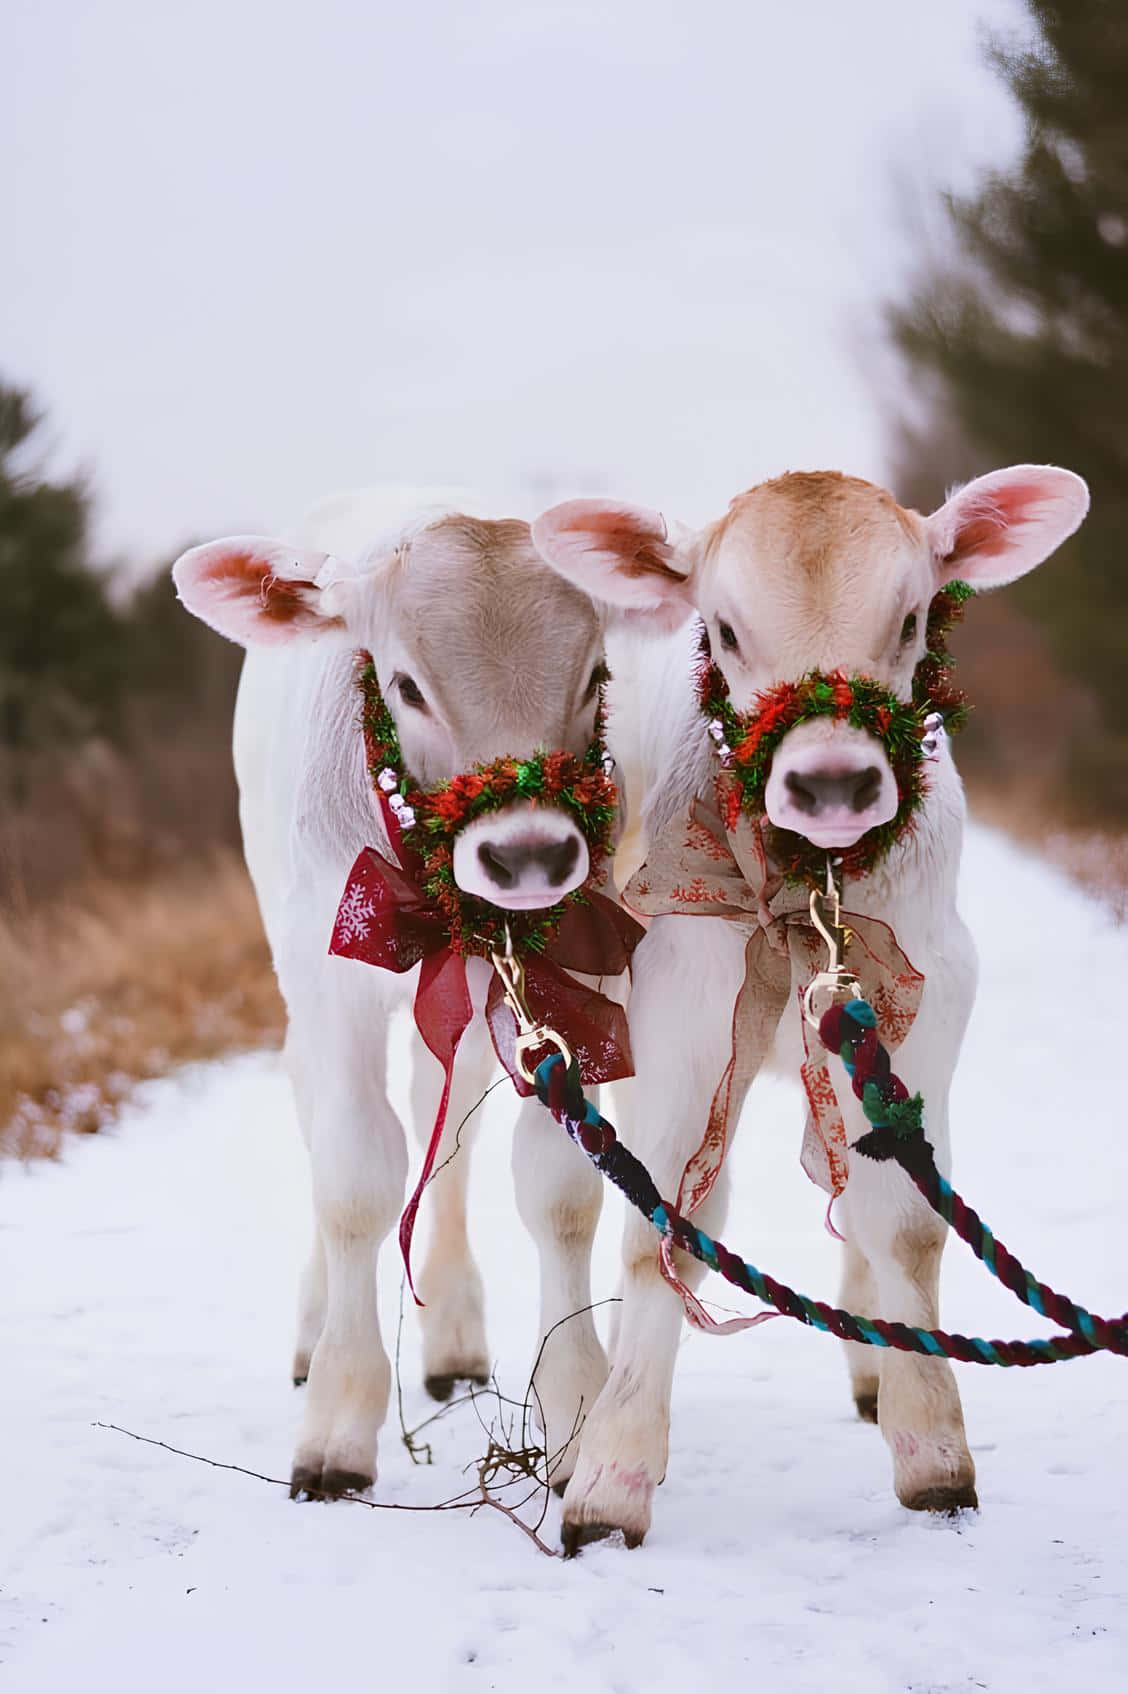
[897, 1133]
[559, 1088]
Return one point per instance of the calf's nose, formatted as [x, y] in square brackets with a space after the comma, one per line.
[505, 863]
[522, 857]
[813, 792]
[831, 783]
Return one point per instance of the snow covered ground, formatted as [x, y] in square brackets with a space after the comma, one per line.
[149, 1282]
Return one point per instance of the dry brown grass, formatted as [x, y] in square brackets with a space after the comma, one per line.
[113, 984]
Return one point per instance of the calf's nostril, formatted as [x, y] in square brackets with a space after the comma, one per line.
[493, 862]
[813, 792]
[505, 864]
[559, 860]
[867, 787]
[805, 798]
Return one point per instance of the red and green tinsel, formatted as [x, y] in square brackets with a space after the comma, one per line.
[751, 738]
[934, 689]
[430, 819]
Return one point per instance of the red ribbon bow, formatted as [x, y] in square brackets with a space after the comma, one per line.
[385, 918]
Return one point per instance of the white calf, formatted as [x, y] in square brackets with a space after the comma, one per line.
[481, 652]
[808, 572]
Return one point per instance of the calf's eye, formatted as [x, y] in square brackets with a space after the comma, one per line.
[728, 636]
[410, 693]
[909, 629]
[599, 675]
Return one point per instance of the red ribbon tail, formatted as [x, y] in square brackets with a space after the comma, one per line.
[407, 1220]
[442, 1011]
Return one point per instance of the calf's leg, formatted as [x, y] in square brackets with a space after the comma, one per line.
[359, 1164]
[313, 1290]
[559, 1195]
[450, 1283]
[918, 1403]
[687, 973]
[858, 1293]
[313, 1296]
[889, 1223]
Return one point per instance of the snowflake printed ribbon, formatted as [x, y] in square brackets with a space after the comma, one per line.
[701, 865]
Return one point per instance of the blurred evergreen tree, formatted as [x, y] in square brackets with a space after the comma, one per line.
[73, 655]
[177, 665]
[1017, 343]
[62, 675]
[115, 708]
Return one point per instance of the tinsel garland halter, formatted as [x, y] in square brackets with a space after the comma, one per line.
[430, 819]
[747, 741]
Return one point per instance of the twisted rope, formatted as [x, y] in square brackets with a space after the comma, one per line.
[897, 1133]
[559, 1088]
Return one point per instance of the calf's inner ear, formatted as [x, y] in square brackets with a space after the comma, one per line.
[256, 590]
[1002, 525]
[619, 554]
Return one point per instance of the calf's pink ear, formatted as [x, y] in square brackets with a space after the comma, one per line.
[254, 590]
[1001, 525]
[620, 555]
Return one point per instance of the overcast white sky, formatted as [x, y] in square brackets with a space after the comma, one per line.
[260, 251]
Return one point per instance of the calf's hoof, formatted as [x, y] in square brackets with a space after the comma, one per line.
[933, 1475]
[602, 1500]
[576, 1536]
[440, 1385]
[867, 1406]
[946, 1500]
[317, 1482]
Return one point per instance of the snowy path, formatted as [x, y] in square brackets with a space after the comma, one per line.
[149, 1282]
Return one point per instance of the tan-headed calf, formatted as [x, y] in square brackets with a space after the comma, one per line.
[807, 572]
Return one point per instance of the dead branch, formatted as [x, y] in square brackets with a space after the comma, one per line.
[478, 1497]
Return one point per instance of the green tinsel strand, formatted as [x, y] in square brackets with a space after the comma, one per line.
[906, 1117]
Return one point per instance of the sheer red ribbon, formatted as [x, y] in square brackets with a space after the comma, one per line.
[386, 919]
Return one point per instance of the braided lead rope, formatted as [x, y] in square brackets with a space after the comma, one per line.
[559, 1088]
[897, 1133]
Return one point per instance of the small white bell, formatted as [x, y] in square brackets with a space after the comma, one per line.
[388, 780]
[934, 735]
